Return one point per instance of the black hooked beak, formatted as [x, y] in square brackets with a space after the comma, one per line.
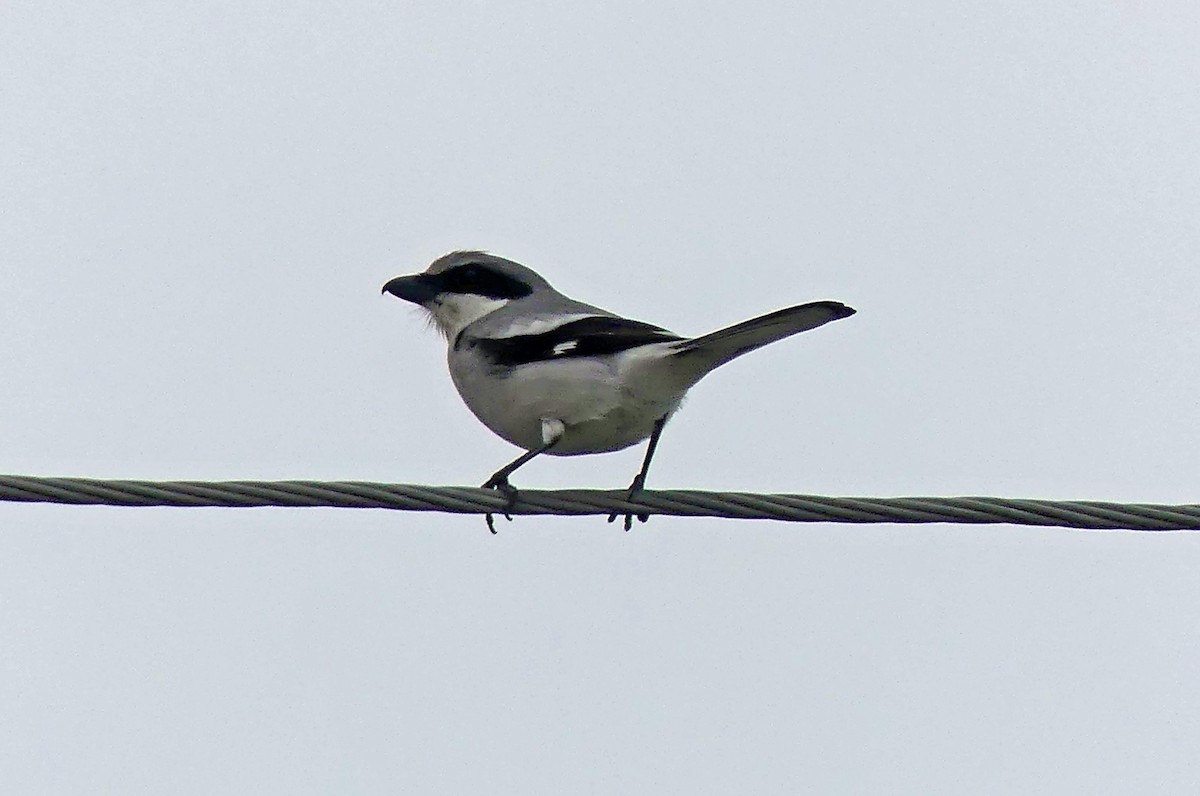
[418, 288]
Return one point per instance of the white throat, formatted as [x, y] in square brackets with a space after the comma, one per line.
[453, 312]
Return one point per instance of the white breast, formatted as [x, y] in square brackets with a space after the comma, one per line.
[604, 404]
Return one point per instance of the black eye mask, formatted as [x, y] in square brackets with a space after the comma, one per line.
[479, 280]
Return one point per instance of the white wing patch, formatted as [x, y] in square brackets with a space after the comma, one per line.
[564, 347]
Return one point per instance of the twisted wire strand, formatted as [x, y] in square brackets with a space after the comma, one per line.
[574, 502]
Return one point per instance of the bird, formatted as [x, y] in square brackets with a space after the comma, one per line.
[555, 376]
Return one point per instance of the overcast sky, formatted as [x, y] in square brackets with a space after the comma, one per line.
[200, 202]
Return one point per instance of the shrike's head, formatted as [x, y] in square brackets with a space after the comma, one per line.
[462, 287]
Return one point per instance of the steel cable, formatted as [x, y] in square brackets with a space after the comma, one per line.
[574, 502]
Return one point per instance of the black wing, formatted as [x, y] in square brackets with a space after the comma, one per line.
[587, 337]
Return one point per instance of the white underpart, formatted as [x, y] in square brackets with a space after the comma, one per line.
[453, 312]
[599, 403]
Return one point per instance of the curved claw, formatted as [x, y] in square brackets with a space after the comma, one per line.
[629, 519]
[491, 521]
[634, 488]
[501, 485]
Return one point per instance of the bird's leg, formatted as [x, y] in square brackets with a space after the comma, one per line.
[551, 434]
[639, 480]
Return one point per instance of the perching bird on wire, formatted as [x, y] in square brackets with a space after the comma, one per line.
[553, 375]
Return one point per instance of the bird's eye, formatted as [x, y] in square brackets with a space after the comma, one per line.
[463, 279]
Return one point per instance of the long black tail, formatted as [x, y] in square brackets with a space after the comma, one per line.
[723, 345]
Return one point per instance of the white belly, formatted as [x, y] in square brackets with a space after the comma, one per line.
[603, 408]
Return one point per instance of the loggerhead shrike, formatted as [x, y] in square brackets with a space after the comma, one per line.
[553, 375]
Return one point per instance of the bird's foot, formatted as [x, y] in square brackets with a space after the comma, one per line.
[634, 488]
[499, 482]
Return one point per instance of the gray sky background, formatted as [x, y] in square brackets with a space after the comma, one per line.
[200, 202]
